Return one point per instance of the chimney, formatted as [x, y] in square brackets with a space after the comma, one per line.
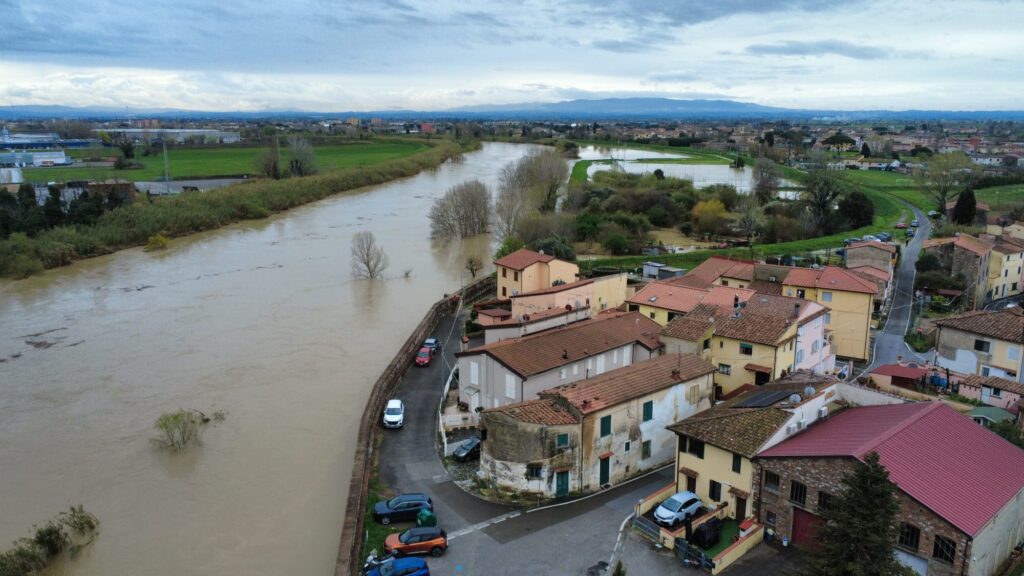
[565, 354]
[676, 374]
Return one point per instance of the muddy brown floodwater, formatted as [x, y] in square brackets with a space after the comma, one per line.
[260, 319]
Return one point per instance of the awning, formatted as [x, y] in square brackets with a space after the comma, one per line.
[758, 368]
[608, 454]
[688, 473]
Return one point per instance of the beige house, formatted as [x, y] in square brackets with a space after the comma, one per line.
[871, 253]
[517, 369]
[1005, 268]
[580, 437]
[598, 294]
[527, 271]
[987, 343]
[850, 299]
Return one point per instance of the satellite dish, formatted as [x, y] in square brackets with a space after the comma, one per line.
[795, 399]
[809, 391]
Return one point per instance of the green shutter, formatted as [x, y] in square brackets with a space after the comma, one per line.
[606, 425]
[648, 410]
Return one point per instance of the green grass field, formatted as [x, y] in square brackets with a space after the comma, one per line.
[186, 163]
[1001, 197]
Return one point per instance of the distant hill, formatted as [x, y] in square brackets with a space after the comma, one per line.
[598, 109]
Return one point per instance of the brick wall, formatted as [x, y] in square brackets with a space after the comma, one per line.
[826, 474]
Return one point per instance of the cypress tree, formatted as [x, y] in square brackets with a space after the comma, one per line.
[966, 208]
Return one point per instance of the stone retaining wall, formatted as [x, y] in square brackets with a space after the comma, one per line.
[352, 532]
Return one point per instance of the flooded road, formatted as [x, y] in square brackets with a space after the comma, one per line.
[260, 319]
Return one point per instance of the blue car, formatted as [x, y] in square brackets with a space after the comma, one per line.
[401, 567]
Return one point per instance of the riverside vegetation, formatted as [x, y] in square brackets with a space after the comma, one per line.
[133, 224]
[69, 532]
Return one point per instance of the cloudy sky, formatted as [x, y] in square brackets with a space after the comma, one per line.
[340, 55]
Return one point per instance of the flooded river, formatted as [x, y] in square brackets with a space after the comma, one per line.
[260, 319]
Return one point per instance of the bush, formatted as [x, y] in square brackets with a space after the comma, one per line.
[617, 244]
[178, 429]
[157, 242]
[555, 246]
[928, 262]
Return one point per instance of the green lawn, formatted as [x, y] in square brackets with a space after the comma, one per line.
[1001, 197]
[579, 170]
[893, 183]
[691, 160]
[730, 528]
[188, 163]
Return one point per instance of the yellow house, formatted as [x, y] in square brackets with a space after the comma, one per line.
[598, 294]
[984, 342]
[849, 298]
[1005, 267]
[527, 271]
[665, 301]
[714, 448]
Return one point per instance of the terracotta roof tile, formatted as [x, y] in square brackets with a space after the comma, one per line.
[766, 287]
[692, 326]
[900, 371]
[961, 471]
[874, 272]
[972, 244]
[668, 296]
[634, 381]
[740, 430]
[556, 288]
[831, 278]
[544, 411]
[717, 266]
[538, 353]
[522, 259]
[1005, 325]
[872, 244]
[977, 381]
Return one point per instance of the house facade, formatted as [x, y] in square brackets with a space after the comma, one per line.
[871, 253]
[938, 535]
[528, 271]
[580, 437]
[1005, 268]
[849, 298]
[967, 259]
[994, 391]
[986, 343]
[597, 294]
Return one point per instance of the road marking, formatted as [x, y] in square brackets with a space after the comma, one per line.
[484, 524]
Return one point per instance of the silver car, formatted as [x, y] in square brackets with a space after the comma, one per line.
[394, 414]
[677, 508]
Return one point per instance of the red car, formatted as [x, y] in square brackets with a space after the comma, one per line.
[901, 225]
[424, 357]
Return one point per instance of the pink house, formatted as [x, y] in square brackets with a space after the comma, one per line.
[994, 391]
[814, 342]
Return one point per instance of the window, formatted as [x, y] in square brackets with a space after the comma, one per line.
[797, 493]
[474, 373]
[533, 470]
[724, 369]
[606, 425]
[910, 536]
[985, 370]
[826, 296]
[626, 446]
[1012, 352]
[696, 447]
[645, 449]
[944, 549]
[681, 443]
[693, 394]
[515, 276]
[746, 349]
[824, 500]
[510, 386]
[504, 272]
[725, 282]
[561, 441]
[997, 393]
[633, 307]
[737, 463]
[800, 293]
[563, 373]
[814, 346]
[707, 344]
[575, 369]
[648, 410]
[771, 482]
[828, 318]
[504, 291]
[799, 356]
[769, 518]
[982, 345]
[715, 491]
[615, 356]
[652, 315]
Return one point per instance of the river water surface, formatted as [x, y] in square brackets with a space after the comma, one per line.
[260, 319]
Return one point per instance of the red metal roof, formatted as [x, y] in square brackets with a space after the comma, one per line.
[900, 371]
[961, 471]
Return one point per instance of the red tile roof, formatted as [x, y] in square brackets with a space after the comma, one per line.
[959, 470]
[716, 267]
[555, 289]
[1005, 325]
[872, 271]
[634, 381]
[669, 296]
[872, 244]
[831, 278]
[538, 353]
[544, 411]
[900, 371]
[522, 259]
[976, 381]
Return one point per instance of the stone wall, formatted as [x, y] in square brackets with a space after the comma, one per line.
[351, 543]
[826, 474]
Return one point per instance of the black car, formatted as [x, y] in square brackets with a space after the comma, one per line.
[402, 507]
[469, 449]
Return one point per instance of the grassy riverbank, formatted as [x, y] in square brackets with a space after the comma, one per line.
[133, 225]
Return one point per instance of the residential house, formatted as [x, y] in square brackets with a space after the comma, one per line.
[526, 271]
[981, 211]
[989, 415]
[883, 279]
[984, 342]
[516, 369]
[965, 258]
[1005, 268]
[849, 297]
[499, 324]
[960, 487]
[871, 253]
[715, 447]
[583, 436]
[719, 271]
[665, 301]
[598, 294]
[888, 375]
[994, 391]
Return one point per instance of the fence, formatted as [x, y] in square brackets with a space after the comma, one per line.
[349, 547]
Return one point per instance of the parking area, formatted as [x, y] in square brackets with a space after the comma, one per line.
[641, 556]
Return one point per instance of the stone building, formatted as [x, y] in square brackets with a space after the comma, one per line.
[960, 487]
[871, 253]
[582, 436]
[965, 258]
[984, 342]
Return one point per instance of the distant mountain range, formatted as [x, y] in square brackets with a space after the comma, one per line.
[570, 110]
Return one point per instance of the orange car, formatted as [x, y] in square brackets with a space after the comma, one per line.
[426, 540]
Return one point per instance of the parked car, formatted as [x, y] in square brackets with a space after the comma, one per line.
[933, 214]
[884, 236]
[677, 508]
[394, 414]
[432, 343]
[400, 567]
[910, 233]
[849, 241]
[403, 507]
[426, 540]
[901, 225]
[869, 238]
[914, 223]
[468, 450]
[425, 356]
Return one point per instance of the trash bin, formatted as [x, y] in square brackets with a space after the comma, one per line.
[426, 518]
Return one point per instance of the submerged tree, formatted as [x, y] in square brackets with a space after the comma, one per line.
[463, 211]
[368, 258]
[473, 265]
[178, 429]
[766, 180]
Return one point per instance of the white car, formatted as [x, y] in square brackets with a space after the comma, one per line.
[394, 414]
[677, 508]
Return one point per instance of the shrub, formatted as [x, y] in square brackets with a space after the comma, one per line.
[617, 244]
[178, 429]
[157, 242]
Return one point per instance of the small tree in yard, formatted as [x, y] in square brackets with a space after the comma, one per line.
[473, 265]
[368, 258]
[858, 529]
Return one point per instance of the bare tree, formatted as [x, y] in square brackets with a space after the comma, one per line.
[511, 203]
[268, 162]
[464, 210]
[473, 265]
[547, 171]
[303, 159]
[945, 175]
[368, 257]
[821, 189]
[766, 180]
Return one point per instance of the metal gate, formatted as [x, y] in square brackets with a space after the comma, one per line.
[647, 527]
[805, 525]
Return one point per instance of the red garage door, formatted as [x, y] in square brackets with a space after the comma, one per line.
[805, 525]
